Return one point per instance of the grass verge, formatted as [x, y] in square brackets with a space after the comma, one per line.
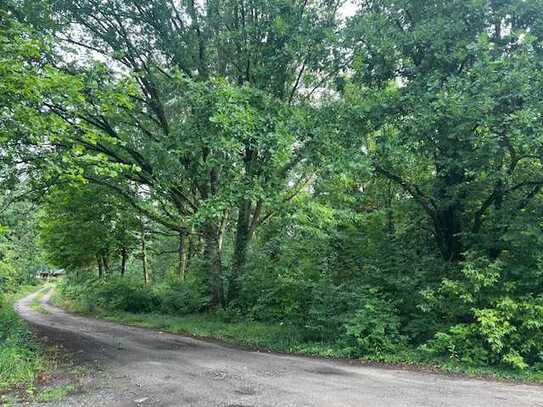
[29, 371]
[21, 359]
[288, 339]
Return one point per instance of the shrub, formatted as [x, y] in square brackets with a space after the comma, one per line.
[7, 277]
[117, 294]
[277, 295]
[185, 297]
[514, 330]
[332, 305]
[491, 322]
[125, 294]
[373, 329]
[459, 343]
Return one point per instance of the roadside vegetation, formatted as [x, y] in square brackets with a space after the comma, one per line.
[30, 370]
[161, 308]
[21, 359]
[345, 180]
[26, 365]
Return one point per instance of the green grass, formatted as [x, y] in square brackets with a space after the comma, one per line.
[248, 333]
[56, 393]
[36, 305]
[21, 360]
[289, 339]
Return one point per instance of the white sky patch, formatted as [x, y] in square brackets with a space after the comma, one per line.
[348, 9]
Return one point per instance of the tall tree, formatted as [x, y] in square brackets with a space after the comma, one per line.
[164, 59]
[451, 95]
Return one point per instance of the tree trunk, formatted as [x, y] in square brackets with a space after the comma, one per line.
[448, 233]
[100, 266]
[182, 250]
[144, 254]
[240, 250]
[450, 198]
[212, 255]
[105, 261]
[124, 258]
[222, 230]
[389, 210]
[242, 236]
[202, 246]
[245, 228]
[192, 247]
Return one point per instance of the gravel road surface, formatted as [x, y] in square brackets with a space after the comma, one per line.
[132, 366]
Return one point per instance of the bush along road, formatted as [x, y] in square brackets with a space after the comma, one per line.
[136, 366]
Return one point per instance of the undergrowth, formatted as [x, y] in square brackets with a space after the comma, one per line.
[21, 359]
[230, 328]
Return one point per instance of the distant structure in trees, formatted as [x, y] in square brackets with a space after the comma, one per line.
[47, 274]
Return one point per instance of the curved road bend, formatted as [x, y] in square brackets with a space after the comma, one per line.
[133, 366]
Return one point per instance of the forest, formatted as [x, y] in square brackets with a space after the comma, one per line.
[363, 179]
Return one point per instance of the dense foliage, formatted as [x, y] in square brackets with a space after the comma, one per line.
[373, 180]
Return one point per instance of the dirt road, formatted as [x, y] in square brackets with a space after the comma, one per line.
[133, 366]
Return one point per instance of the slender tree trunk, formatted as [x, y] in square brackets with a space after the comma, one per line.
[183, 251]
[212, 255]
[100, 266]
[192, 247]
[242, 236]
[389, 210]
[243, 226]
[124, 258]
[105, 261]
[222, 229]
[144, 263]
[202, 246]
[244, 233]
[144, 253]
